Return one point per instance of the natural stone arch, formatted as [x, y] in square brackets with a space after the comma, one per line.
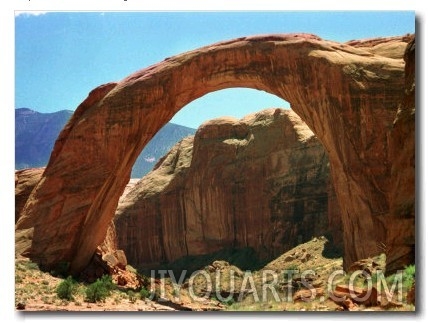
[347, 95]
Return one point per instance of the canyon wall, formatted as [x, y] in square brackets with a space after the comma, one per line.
[259, 182]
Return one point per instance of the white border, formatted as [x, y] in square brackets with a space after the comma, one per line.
[7, 14]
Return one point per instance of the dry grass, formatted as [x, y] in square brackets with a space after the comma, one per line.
[37, 290]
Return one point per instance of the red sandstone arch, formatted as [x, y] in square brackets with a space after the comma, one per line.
[346, 94]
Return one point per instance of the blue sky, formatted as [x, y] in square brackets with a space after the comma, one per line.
[61, 56]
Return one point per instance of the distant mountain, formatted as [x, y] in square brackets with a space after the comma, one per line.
[35, 135]
[160, 144]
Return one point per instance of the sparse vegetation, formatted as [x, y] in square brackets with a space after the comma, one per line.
[132, 296]
[31, 266]
[46, 300]
[290, 270]
[99, 290]
[229, 301]
[409, 276]
[52, 293]
[66, 289]
[144, 293]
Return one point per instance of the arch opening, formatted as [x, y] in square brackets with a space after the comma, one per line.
[258, 179]
[231, 102]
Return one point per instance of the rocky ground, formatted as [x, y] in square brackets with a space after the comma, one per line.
[308, 277]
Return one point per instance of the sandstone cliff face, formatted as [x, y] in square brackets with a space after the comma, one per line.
[259, 182]
[347, 94]
[400, 224]
[25, 181]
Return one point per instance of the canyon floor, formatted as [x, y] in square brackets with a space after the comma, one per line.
[306, 278]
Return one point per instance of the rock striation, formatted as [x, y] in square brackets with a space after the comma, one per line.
[347, 94]
[399, 223]
[25, 181]
[259, 182]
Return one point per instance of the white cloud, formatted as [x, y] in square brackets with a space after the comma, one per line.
[150, 159]
[29, 13]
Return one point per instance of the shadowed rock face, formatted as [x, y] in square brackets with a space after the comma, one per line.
[399, 225]
[259, 182]
[347, 95]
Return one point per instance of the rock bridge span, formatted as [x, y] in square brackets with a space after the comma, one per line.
[347, 93]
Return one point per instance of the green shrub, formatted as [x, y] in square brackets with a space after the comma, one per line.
[409, 276]
[99, 290]
[144, 293]
[66, 289]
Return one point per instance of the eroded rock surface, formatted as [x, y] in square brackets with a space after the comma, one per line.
[399, 223]
[25, 181]
[259, 182]
[347, 94]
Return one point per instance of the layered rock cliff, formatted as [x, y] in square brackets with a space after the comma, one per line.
[347, 93]
[399, 226]
[259, 182]
[25, 181]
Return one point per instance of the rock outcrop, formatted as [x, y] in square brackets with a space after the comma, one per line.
[347, 94]
[259, 182]
[25, 181]
[107, 258]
